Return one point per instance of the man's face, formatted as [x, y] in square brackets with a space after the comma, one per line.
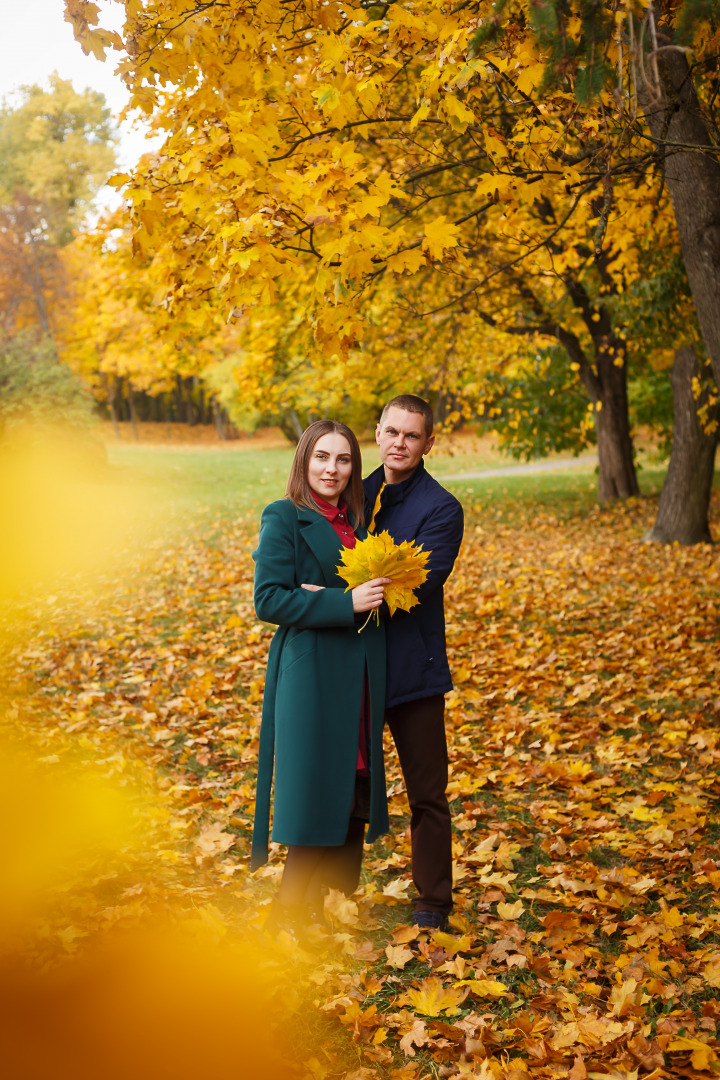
[402, 441]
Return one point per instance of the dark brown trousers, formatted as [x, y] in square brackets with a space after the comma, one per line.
[418, 730]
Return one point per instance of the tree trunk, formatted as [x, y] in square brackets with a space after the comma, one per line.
[289, 424]
[616, 466]
[37, 286]
[133, 414]
[190, 410]
[111, 402]
[218, 419]
[674, 116]
[178, 398]
[164, 415]
[231, 432]
[605, 383]
[685, 498]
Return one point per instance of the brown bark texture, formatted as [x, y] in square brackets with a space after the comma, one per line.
[692, 173]
[133, 413]
[616, 466]
[685, 498]
[605, 383]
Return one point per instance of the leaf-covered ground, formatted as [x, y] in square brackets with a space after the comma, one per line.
[584, 736]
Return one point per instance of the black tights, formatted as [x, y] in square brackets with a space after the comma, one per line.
[310, 871]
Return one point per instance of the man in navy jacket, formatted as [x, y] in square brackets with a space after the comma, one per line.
[402, 498]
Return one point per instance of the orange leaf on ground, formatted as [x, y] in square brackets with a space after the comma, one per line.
[416, 1036]
[399, 955]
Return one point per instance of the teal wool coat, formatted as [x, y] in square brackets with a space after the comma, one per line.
[313, 687]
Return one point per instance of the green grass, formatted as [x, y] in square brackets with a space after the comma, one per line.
[191, 479]
[184, 482]
[564, 494]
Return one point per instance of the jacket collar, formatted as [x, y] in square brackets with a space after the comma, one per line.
[395, 493]
[321, 538]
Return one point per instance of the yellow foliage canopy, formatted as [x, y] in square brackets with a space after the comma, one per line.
[367, 146]
[389, 195]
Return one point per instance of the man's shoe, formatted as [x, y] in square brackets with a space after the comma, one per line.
[430, 920]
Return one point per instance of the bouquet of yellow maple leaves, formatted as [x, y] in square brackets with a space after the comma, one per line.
[379, 556]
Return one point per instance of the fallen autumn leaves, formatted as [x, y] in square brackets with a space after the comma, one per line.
[584, 731]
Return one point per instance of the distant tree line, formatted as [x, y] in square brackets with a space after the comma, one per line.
[187, 401]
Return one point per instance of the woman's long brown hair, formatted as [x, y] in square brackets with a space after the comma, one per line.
[298, 489]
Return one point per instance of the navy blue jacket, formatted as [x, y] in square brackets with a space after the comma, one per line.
[418, 509]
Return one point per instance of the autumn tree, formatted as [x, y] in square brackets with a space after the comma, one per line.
[665, 72]
[56, 150]
[413, 148]
[675, 394]
[669, 79]
[283, 377]
[682, 115]
[537, 404]
[112, 334]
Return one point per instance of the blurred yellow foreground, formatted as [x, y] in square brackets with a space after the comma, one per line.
[63, 510]
[176, 995]
[84, 998]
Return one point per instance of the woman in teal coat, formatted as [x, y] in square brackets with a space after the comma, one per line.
[324, 700]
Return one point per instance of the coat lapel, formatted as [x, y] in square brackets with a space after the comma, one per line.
[323, 542]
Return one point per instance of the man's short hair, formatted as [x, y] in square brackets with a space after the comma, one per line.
[411, 403]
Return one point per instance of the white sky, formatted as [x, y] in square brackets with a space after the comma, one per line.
[35, 41]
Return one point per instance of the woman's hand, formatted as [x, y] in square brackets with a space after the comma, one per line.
[312, 588]
[370, 594]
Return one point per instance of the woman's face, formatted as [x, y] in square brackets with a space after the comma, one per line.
[330, 466]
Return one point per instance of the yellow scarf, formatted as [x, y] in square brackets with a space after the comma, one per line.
[376, 507]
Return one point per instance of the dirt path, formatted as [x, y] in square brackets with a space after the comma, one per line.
[523, 470]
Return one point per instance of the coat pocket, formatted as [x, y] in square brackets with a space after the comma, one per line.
[298, 645]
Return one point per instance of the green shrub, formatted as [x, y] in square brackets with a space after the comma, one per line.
[36, 390]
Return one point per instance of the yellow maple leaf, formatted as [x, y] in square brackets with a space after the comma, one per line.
[213, 839]
[397, 888]
[452, 944]
[531, 77]
[399, 955]
[487, 988]
[432, 998]
[379, 556]
[494, 146]
[440, 235]
[567, 1035]
[406, 261]
[702, 1055]
[672, 917]
[458, 114]
[625, 998]
[510, 911]
[491, 182]
[340, 909]
[420, 115]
